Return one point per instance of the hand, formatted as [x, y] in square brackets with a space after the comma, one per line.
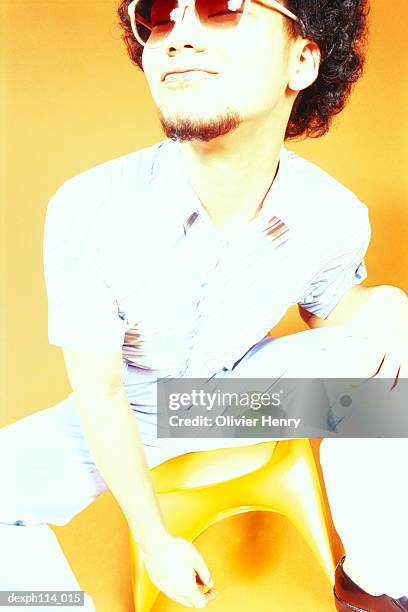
[393, 350]
[177, 568]
[388, 339]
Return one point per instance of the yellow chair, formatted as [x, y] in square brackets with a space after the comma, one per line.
[200, 488]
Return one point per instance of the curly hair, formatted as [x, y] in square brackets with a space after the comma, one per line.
[340, 28]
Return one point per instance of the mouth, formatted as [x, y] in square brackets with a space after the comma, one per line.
[187, 74]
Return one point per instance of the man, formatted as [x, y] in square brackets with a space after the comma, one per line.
[178, 259]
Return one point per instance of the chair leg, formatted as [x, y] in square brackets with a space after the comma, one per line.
[297, 495]
[145, 592]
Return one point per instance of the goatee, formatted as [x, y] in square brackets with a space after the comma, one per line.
[186, 129]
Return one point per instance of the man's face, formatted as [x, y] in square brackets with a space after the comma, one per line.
[249, 73]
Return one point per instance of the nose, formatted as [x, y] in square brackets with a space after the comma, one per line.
[187, 33]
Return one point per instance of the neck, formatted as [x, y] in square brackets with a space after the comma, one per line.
[232, 174]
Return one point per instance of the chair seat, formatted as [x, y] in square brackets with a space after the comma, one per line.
[198, 489]
[209, 467]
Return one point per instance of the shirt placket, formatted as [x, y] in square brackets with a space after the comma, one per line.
[194, 365]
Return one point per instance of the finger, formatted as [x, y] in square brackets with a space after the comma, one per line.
[390, 369]
[404, 369]
[209, 583]
[198, 599]
[210, 595]
[182, 600]
[378, 366]
[376, 356]
[202, 570]
[194, 593]
[180, 595]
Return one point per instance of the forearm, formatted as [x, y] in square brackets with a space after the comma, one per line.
[117, 449]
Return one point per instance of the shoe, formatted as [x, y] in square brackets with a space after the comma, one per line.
[349, 596]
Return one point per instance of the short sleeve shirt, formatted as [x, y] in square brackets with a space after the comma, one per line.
[132, 260]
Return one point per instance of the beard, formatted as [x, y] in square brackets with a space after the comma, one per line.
[180, 128]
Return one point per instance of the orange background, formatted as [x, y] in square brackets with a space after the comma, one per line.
[70, 100]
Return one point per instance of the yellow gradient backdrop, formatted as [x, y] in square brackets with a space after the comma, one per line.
[70, 100]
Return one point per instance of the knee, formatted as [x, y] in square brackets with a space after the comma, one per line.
[329, 451]
[325, 352]
[337, 354]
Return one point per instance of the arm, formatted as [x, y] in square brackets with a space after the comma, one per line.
[364, 308]
[114, 440]
[335, 296]
[83, 319]
[379, 313]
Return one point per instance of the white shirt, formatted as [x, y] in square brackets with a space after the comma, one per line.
[132, 259]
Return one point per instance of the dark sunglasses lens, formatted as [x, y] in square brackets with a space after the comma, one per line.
[220, 13]
[155, 18]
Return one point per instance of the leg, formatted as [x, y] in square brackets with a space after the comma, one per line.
[288, 357]
[32, 560]
[364, 476]
[325, 352]
[365, 480]
[46, 476]
[299, 358]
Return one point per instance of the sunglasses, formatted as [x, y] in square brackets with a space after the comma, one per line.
[153, 20]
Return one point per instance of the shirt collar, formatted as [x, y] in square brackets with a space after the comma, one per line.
[268, 222]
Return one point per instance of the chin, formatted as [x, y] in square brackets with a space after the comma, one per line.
[187, 127]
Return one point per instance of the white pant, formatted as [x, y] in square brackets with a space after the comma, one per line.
[47, 474]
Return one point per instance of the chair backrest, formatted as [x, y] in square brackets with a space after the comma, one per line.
[208, 467]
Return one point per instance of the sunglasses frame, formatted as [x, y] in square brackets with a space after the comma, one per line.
[272, 4]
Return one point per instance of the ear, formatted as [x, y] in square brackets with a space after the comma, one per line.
[306, 62]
